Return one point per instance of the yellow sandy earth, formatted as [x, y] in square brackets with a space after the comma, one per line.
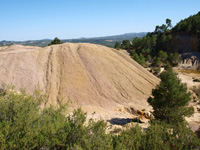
[97, 78]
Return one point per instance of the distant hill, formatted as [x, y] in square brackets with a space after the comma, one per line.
[40, 43]
[126, 36]
[107, 40]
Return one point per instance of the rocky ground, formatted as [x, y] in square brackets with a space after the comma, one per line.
[188, 76]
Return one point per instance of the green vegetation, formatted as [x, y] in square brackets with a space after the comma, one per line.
[138, 58]
[163, 40]
[198, 133]
[190, 25]
[196, 80]
[158, 136]
[126, 44]
[156, 71]
[117, 45]
[24, 125]
[55, 41]
[155, 49]
[170, 99]
[162, 55]
[157, 62]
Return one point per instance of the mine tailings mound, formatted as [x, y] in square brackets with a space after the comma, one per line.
[94, 77]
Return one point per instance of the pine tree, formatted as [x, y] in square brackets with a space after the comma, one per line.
[170, 99]
[55, 41]
[126, 44]
[157, 62]
[117, 45]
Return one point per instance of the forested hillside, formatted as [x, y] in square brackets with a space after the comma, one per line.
[163, 46]
[189, 25]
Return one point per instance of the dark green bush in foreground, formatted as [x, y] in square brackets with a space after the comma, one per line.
[159, 136]
[24, 125]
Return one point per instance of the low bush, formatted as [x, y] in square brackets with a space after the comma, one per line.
[196, 80]
[198, 133]
[158, 136]
[24, 125]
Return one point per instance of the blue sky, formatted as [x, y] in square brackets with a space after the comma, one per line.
[66, 19]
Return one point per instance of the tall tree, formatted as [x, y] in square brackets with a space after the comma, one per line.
[117, 45]
[136, 57]
[170, 99]
[163, 55]
[169, 23]
[174, 58]
[126, 44]
[157, 62]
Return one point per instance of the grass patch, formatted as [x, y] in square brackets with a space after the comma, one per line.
[189, 71]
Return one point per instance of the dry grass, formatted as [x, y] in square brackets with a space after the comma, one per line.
[196, 90]
[188, 71]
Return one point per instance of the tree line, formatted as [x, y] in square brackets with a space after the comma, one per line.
[145, 50]
[190, 25]
[155, 49]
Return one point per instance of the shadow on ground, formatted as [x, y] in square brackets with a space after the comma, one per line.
[122, 121]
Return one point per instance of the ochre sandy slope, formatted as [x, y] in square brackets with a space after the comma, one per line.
[90, 76]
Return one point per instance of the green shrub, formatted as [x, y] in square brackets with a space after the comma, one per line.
[97, 137]
[24, 125]
[157, 62]
[196, 80]
[194, 100]
[184, 138]
[163, 136]
[131, 138]
[157, 71]
[158, 136]
[19, 120]
[55, 41]
[138, 58]
[198, 133]
[117, 45]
